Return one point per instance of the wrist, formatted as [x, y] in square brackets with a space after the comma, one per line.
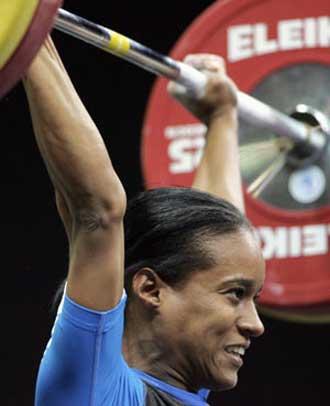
[225, 113]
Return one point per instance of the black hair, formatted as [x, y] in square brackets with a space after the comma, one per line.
[167, 229]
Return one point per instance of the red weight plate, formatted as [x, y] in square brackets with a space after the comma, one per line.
[40, 26]
[258, 39]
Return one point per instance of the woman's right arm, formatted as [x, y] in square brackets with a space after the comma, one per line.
[90, 197]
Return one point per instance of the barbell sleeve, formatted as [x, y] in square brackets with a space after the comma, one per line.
[250, 109]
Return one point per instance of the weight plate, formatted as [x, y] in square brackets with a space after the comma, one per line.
[16, 16]
[279, 52]
[25, 25]
[309, 314]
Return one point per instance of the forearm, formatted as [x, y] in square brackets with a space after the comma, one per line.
[71, 146]
[90, 198]
[219, 169]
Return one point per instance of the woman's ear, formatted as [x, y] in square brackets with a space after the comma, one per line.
[146, 285]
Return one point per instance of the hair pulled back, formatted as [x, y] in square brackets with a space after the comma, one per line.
[167, 229]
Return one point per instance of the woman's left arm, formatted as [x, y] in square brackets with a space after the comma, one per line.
[219, 170]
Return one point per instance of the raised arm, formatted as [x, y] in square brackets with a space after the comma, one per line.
[90, 197]
[218, 172]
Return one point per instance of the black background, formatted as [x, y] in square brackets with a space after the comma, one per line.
[289, 366]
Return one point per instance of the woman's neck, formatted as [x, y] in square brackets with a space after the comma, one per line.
[142, 351]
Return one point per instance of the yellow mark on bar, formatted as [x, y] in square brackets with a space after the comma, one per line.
[119, 43]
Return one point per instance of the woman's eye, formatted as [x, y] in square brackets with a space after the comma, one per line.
[237, 293]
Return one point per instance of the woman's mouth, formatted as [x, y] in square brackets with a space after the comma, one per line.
[236, 353]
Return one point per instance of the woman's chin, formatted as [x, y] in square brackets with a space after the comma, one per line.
[225, 382]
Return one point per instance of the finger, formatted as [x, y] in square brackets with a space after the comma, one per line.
[176, 90]
[204, 56]
[210, 62]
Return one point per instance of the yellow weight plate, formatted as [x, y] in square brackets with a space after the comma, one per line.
[15, 19]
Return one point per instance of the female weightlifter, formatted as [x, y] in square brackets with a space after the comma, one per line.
[159, 306]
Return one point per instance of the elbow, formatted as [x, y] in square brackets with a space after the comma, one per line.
[100, 212]
[114, 205]
[114, 211]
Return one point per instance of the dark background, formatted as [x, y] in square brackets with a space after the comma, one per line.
[290, 363]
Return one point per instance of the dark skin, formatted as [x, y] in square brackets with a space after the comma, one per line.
[177, 333]
[172, 335]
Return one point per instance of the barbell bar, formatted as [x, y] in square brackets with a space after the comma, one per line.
[48, 12]
[250, 109]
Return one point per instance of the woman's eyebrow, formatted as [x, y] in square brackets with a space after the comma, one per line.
[247, 283]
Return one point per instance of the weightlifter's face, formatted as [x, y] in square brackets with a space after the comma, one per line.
[211, 319]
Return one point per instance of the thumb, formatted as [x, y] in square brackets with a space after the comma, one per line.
[176, 90]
